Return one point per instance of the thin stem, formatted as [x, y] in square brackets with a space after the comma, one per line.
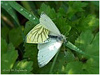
[54, 61]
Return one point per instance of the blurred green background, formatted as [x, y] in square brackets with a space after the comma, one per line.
[78, 19]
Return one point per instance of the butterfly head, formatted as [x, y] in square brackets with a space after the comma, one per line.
[62, 38]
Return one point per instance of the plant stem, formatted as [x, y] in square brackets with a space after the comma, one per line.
[52, 66]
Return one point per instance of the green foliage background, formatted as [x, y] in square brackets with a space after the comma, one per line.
[78, 19]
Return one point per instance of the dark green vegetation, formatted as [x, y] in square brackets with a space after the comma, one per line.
[79, 20]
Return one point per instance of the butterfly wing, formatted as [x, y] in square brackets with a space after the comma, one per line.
[48, 23]
[47, 51]
[37, 35]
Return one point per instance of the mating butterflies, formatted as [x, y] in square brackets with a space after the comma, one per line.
[48, 37]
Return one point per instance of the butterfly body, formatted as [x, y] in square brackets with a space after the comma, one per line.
[59, 38]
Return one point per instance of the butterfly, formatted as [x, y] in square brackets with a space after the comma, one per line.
[48, 38]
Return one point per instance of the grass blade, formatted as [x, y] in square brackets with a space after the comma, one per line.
[24, 12]
[54, 61]
[5, 5]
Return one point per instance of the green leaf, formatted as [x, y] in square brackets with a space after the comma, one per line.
[47, 10]
[28, 26]
[75, 7]
[3, 46]
[8, 59]
[89, 22]
[31, 54]
[69, 56]
[88, 45]
[61, 12]
[22, 67]
[82, 41]
[75, 67]
[91, 47]
[30, 51]
[5, 32]
[65, 28]
[92, 66]
[15, 37]
[72, 35]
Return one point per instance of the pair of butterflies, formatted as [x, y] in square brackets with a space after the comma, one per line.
[48, 38]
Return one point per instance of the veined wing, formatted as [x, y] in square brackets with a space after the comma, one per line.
[47, 51]
[37, 35]
[48, 23]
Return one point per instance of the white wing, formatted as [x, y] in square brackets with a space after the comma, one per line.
[47, 51]
[48, 23]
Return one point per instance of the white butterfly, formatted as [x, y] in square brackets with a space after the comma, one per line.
[49, 49]
[49, 44]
